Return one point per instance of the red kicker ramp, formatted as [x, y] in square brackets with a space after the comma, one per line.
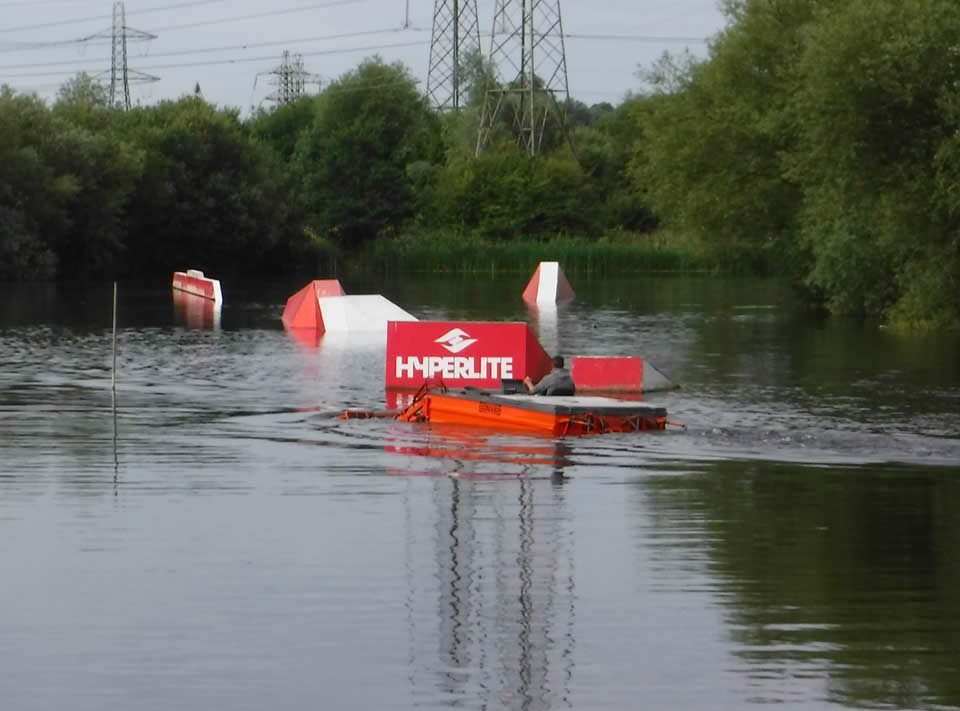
[303, 308]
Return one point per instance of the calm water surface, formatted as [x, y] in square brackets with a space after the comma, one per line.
[224, 542]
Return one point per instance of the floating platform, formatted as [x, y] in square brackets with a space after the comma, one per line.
[194, 282]
[573, 415]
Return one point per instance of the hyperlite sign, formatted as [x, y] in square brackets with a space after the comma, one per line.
[477, 353]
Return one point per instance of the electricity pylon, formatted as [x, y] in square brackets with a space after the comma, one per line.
[456, 34]
[290, 79]
[529, 67]
[120, 74]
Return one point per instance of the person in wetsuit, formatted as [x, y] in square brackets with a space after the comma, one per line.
[557, 382]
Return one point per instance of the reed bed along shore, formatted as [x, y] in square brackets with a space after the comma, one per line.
[458, 254]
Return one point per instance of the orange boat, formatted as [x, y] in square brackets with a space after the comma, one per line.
[556, 415]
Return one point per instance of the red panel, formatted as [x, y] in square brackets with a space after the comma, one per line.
[302, 310]
[533, 287]
[461, 353]
[198, 286]
[195, 311]
[540, 364]
[611, 373]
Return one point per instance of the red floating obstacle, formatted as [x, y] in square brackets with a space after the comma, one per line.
[194, 282]
[620, 374]
[548, 285]
[303, 308]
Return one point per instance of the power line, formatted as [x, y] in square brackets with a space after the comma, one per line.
[76, 20]
[634, 38]
[220, 62]
[31, 3]
[225, 48]
[258, 15]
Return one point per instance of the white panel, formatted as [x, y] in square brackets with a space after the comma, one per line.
[547, 288]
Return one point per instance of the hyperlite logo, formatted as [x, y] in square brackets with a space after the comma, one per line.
[456, 367]
[456, 340]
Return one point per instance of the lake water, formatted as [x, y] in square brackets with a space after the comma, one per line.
[220, 540]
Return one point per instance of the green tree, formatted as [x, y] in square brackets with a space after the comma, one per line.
[506, 194]
[33, 196]
[877, 157]
[83, 89]
[370, 125]
[104, 171]
[282, 126]
[714, 133]
[210, 196]
[86, 146]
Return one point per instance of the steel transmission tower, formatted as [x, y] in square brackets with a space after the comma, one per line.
[120, 74]
[530, 70]
[290, 79]
[456, 34]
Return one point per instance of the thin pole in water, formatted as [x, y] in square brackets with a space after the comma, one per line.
[113, 377]
[113, 399]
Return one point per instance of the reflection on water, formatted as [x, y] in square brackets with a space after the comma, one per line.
[194, 311]
[848, 575]
[493, 626]
[217, 537]
[476, 453]
[544, 320]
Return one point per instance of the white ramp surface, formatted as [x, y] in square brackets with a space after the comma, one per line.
[363, 313]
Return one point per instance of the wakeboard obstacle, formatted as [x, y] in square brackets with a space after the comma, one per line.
[196, 299]
[549, 289]
[548, 285]
[484, 354]
[193, 282]
[323, 307]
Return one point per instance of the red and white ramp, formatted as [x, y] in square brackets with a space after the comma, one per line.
[194, 282]
[360, 314]
[548, 285]
[322, 307]
[303, 308]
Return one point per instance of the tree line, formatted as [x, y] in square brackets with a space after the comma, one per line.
[819, 139]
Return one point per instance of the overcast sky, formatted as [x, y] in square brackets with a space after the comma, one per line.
[230, 47]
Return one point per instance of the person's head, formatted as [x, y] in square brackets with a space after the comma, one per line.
[558, 361]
